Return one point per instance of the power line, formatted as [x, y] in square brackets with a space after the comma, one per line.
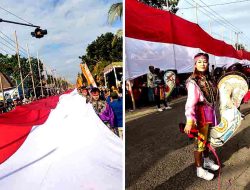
[211, 17]
[222, 21]
[11, 40]
[218, 4]
[220, 16]
[223, 18]
[12, 44]
[4, 50]
[8, 46]
[15, 15]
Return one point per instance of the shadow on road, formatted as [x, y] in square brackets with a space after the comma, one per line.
[150, 138]
[154, 136]
[237, 142]
[181, 181]
[187, 177]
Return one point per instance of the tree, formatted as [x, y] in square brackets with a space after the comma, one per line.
[9, 66]
[115, 12]
[101, 50]
[171, 5]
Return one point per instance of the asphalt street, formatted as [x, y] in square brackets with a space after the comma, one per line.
[158, 156]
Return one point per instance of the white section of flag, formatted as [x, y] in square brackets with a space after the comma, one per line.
[140, 54]
[73, 149]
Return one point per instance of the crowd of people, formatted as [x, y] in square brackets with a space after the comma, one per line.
[10, 102]
[107, 104]
[150, 89]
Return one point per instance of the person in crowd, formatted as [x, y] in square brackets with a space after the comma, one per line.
[200, 112]
[151, 84]
[102, 108]
[107, 95]
[128, 98]
[85, 93]
[114, 89]
[159, 91]
[116, 105]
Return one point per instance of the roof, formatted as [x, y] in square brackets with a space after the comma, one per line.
[110, 67]
[6, 82]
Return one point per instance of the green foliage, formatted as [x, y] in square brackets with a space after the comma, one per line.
[103, 51]
[9, 66]
[162, 4]
[115, 12]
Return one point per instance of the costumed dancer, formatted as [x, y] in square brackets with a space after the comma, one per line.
[200, 112]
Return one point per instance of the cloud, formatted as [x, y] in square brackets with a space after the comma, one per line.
[71, 25]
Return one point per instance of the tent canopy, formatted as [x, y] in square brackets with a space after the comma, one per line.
[111, 66]
[7, 84]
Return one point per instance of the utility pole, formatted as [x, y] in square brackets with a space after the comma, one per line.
[19, 64]
[237, 39]
[40, 74]
[1, 86]
[31, 71]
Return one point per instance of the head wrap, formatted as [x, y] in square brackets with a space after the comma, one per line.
[199, 57]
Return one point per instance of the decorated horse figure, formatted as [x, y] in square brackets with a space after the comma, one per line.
[232, 88]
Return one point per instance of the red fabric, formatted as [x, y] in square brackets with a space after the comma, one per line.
[16, 125]
[146, 23]
[246, 97]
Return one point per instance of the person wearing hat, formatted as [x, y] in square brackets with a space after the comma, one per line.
[102, 109]
[116, 105]
[200, 113]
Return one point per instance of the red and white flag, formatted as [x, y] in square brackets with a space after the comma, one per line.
[58, 143]
[162, 39]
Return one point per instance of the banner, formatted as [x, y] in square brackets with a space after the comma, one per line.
[88, 75]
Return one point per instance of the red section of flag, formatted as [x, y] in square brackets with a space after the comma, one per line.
[16, 125]
[150, 24]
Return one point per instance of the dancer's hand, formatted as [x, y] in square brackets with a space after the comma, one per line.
[187, 128]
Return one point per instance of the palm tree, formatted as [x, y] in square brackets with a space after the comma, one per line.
[115, 12]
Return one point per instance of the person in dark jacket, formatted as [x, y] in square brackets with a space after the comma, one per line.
[116, 105]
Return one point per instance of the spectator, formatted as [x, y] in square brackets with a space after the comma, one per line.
[159, 91]
[150, 84]
[85, 93]
[102, 108]
[116, 105]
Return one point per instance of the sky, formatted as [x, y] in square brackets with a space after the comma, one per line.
[236, 14]
[71, 26]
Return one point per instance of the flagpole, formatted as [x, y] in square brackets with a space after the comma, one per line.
[19, 64]
[132, 95]
[39, 74]
[32, 74]
[196, 12]
[44, 68]
[116, 81]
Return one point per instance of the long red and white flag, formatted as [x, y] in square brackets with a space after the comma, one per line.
[162, 39]
[58, 143]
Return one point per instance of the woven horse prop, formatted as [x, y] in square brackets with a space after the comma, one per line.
[232, 88]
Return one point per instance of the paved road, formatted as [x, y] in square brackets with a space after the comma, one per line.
[158, 156]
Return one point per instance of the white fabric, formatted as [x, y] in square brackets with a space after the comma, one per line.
[141, 54]
[72, 150]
